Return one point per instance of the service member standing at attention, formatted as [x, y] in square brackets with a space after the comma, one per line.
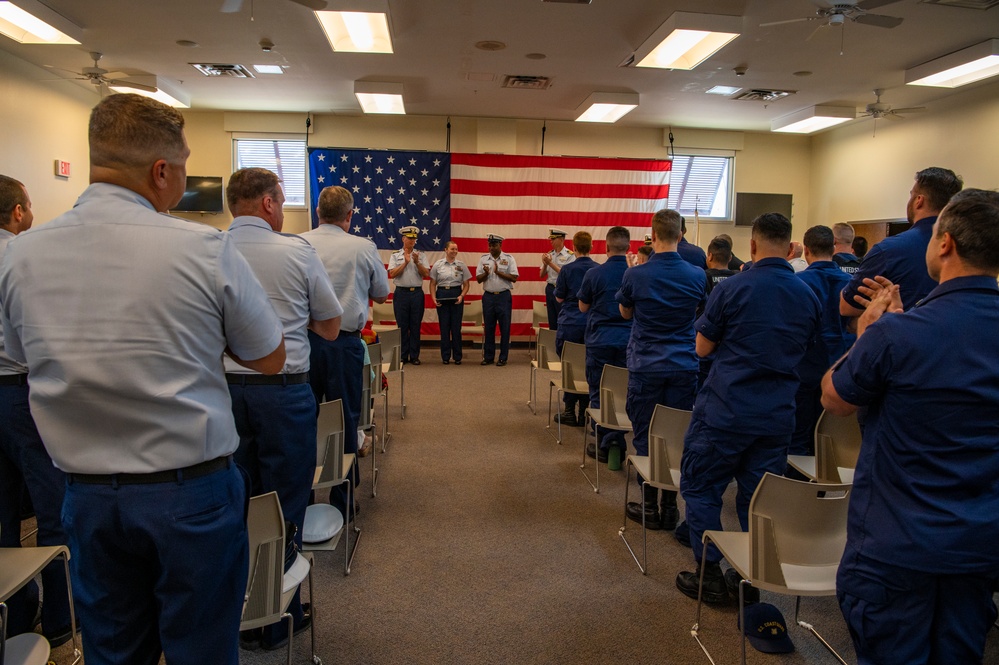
[358, 275]
[497, 272]
[408, 268]
[122, 315]
[551, 265]
[920, 566]
[572, 320]
[24, 463]
[276, 415]
[449, 280]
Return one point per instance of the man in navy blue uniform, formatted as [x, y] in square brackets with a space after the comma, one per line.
[826, 280]
[900, 258]
[759, 323]
[662, 296]
[689, 252]
[607, 332]
[916, 580]
[843, 256]
[572, 320]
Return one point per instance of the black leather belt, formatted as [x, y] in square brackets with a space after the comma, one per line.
[14, 380]
[497, 293]
[264, 380]
[350, 333]
[409, 288]
[176, 475]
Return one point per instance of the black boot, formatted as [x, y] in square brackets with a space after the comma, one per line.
[715, 591]
[650, 508]
[750, 594]
[668, 511]
[567, 418]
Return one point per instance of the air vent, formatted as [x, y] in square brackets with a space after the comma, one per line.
[965, 4]
[527, 82]
[763, 95]
[232, 71]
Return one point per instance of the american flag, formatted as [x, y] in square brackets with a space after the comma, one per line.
[465, 197]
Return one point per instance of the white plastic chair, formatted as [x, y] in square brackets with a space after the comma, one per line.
[371, 387]
[612, 414]
[391, 341]
[572, 380]
[837, 447]
[547, 360]
[382, 317]
[539, 320]
[472, 322]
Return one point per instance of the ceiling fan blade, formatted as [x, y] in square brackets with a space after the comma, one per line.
[793, 20]
[231, 6]
[314, 5]
[879, 20]
[868, 5]
[134, 86]
[911, 109]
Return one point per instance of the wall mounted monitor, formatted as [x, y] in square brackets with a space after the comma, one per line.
[203, 194]
[750, 206]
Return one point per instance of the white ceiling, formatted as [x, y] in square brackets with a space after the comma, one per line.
[584, 45]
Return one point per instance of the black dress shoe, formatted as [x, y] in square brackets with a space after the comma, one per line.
[415, 361]
[447, 362]
[682, 534]
[567, 418]
[457, 362]
[501, 363]
[634, 510]
[486, 362]
[750, 594]
[61, 637]
[249, 640]
[715, 591]
[599, 455]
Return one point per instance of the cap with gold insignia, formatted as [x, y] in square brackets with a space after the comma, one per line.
[648, 238]
[555, 233]
[409, 232]
[494, 238]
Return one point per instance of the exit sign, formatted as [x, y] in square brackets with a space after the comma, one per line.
[62, 168]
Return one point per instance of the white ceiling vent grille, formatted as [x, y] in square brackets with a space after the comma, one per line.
[527, 82]
[232, 71]
[759, 95]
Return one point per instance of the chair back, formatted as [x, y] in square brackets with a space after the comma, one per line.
[666, 432]
[546, 349]
[329, 444]
[539, 315]
[375, 354]
[391, 341]
[614, 396]
[471, 318]
[797, 532]
[364, 422]
[574, 368]
[265, 525]
[837, 447]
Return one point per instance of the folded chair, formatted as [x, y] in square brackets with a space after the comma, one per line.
[612, 414]
[837, 447]
[572, 380]
[797, 534]
[661, 469]
[324, 524]
[269, 589]
[547, 360]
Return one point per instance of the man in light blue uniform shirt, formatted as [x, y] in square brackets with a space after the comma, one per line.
[497, 273]
[358, 275]
[276, 415]
[122, 315]
[24, 464]
[408, 268]
[551, 265]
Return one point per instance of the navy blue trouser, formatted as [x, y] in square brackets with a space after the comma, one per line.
[160, 568]
[571, 333]
[409, 305]
[553, 306]
[596, 358]
[646, 389]
[711, 459]
[24, 462]
[277, 448]
[449, 315]
[335, 373]
[899, 616]
[497, 308]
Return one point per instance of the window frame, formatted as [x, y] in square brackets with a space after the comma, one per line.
[729, 186]
[278, 137]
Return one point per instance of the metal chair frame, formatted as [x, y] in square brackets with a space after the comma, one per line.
[546, 350]
[573, 366]
[612, 414]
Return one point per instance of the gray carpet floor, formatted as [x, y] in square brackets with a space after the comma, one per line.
[485, 544]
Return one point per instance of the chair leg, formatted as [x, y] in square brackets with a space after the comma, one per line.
[596, 463]
[386, 435]
[77, 653]
[348, 553]
[810, 628]
[532, 393]
[644, 567]
[291, 634]
[402, 392]
[374, 465]
[694, 631]
[548, 426]
[312, 629]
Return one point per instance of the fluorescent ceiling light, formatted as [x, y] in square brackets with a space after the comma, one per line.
[812, 119]
[686, 40]
[959, 68]
[165, 92]
[377, 97]
[269, 69]
[356, 32]
[606, 106]
[34, 23]
[723, 90]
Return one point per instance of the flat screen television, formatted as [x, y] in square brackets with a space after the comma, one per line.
[203, 194]
[750, 206]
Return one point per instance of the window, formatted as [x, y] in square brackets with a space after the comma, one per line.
[704, 183]
[284, 157]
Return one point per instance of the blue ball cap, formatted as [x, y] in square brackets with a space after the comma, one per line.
[766, 629]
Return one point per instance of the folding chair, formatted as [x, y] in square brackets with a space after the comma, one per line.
[547, 360]
[837, 447]
[18, 566]
[382, 317]
[371, 374]
[797, 534]
[324, 524]
[391, 341]
[661, 469]
[539, 320]
[612, 414]
[472, 322]
[269, 589]
[572, 380]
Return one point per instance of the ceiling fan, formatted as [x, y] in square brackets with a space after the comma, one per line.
[836, 12]
[233, 6]
[878, 110]
[102, 77]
